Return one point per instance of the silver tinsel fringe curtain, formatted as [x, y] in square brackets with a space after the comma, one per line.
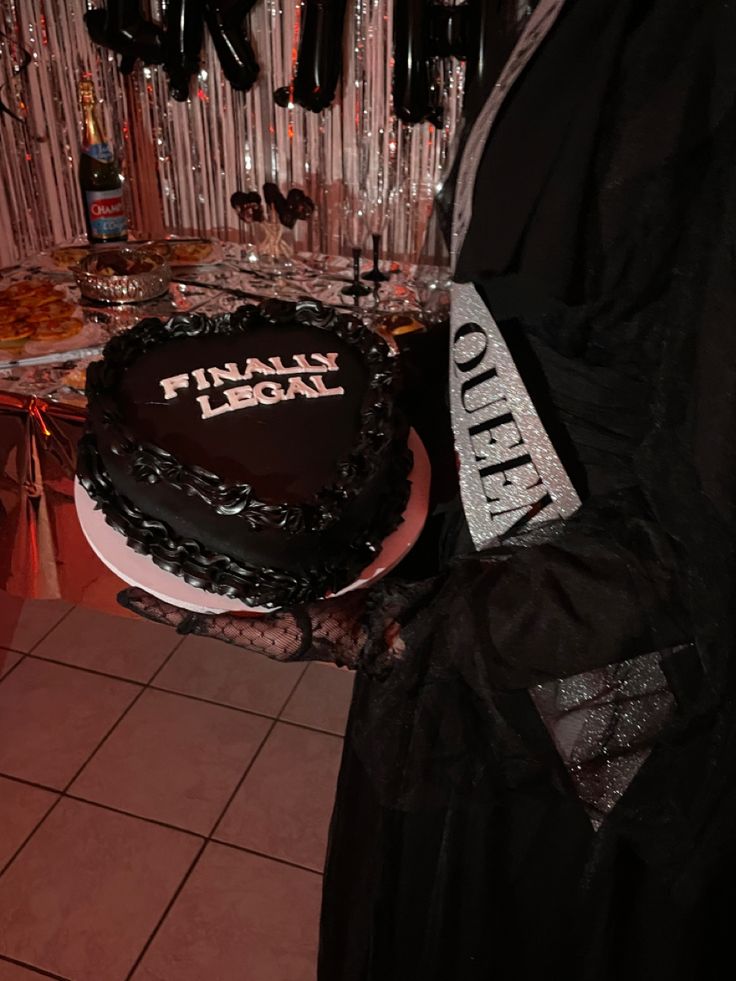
[182, 161]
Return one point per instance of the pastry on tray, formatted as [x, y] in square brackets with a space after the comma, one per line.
[36, 309]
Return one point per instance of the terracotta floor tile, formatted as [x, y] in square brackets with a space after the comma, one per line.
[8, 660]
[322, 698]
[239, 917]
[173, 759]
[86, 892]
[228, 675]
[133, 649]
[284, 805]
[24, 622]
[52, 717]
[12, 972]
[21, 808]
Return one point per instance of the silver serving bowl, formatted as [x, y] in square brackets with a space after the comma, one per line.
[131, 287]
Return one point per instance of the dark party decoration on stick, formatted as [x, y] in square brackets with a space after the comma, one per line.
[296, 206]
[274, 250]
[319, 61]
[248, 205]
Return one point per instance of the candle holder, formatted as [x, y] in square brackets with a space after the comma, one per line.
[375, 275]
[356, 288]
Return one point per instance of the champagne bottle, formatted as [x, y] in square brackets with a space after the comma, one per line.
[99, 176]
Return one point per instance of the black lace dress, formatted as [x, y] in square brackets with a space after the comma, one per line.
[492, 821]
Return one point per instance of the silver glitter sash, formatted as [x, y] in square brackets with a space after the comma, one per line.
[511, 478]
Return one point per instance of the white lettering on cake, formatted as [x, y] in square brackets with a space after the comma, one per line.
[297, 386]
[230, 372]
[264, 392]
[268, 392]
[322, 389]
[329, 362]
[254, 366]
[173, 384]
[201, 379]
[303, 362]
[240, 397]
[279, 369]
[207, 411]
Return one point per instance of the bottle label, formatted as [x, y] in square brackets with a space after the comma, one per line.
[99, 151]
[106, 216]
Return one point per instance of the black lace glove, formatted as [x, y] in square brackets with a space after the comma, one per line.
[357, 631]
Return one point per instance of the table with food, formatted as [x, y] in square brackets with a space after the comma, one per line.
[60, 309]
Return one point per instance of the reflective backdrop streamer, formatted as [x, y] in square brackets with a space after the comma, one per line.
[182, 161]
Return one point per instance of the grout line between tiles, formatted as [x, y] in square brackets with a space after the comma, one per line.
[33, 967]
[104, 739]
[31, 833]
[103, 674]
[173, 691]
[138, 817]
[303, 725]
[212, 701]
[240, 782]
[11, 670]
[175, 896]
[65, 793]
[270, 858]
[30, 783]
[255, 757]
[162, 665]
[293, 689]
[48, 632]
[16, 650]
[208, 839]
[62, 792]
[183, 694]
[159, 669]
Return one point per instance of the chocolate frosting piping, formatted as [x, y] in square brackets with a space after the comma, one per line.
[218, 573]
[152, 463]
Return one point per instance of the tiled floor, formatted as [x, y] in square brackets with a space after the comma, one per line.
[163, 803]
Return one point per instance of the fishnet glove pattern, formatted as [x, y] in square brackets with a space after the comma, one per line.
[335, 630]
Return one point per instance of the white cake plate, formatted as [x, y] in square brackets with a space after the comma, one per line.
[140, 570]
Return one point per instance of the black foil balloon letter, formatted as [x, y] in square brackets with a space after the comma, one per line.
[121, 27]
[319, 61]
[486, 35]
[184, 30]
[425, 30]
[412, 53]
[226, 21]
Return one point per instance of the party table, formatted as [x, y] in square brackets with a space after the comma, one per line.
[43, 553]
